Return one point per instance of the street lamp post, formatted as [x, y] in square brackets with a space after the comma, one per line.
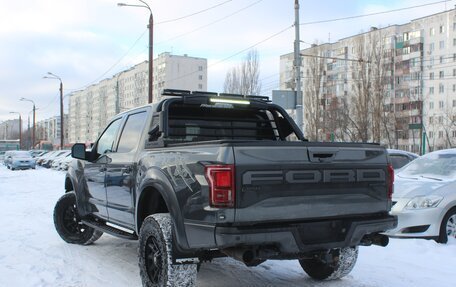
[52, 76]
[34, 122]
[151, 41]
[20, 128]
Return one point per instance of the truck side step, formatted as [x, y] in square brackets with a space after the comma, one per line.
[109, 229]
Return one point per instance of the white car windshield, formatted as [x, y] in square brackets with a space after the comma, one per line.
[21, 154]
[438, 166]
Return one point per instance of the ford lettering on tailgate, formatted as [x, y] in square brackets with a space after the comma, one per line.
[313, 176]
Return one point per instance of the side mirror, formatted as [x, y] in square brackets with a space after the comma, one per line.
[79, 151]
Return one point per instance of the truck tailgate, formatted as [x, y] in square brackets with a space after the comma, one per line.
[304, 182]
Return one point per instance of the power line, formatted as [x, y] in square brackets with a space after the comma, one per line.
[115, 64]
[209, 24]
[193, 14]
[173, 38]
[371, 14]
[235, 54]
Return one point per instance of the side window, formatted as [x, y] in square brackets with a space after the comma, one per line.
[398, 161]
[107, 139]
[131, 132]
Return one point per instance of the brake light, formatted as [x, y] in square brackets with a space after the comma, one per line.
[222, 191]
[390, 181]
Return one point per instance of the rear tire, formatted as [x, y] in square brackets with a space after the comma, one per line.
[155, 255]
[342, 263]
[68, 223]
[448, 226]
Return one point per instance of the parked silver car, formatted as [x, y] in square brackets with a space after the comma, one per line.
[400, 158]
[20, 159]
[425, 197]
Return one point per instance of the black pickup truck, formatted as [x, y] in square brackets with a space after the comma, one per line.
[204, 175]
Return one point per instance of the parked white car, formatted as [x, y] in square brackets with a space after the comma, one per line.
[425, 197]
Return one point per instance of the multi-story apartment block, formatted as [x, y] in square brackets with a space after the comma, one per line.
[403, 76]
[49, 130]
[90, 109]
[9, 129]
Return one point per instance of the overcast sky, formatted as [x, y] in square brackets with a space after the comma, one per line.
[85, 41]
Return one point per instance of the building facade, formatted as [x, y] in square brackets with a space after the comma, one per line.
[9, 129]
[394, 85]
[49, 130]
[90, 109]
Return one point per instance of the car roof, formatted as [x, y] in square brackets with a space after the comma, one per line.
[402, 152]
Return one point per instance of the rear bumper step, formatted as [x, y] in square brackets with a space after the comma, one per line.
[304, 237]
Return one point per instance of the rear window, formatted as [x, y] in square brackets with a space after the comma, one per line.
[188, 123]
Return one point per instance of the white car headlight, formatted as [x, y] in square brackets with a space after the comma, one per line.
[421, 202]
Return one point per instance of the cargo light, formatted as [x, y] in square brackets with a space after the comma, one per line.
[230, 101]
[222, 191]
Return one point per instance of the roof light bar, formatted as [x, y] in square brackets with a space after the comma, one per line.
[229, 101]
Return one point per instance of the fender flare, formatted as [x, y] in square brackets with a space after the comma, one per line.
[156, 179]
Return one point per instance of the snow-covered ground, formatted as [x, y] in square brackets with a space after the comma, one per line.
[32, 254]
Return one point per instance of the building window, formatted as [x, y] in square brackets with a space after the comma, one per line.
[431, 120]
[454, 90]
[441, 59]
[431, 32]
[454, 26]
[440, 120]
[200, 77]
[454, 41]
[431, 90]
[431, 105]
[441, 74]
[441, 88]
[454, 134]
[454, 57]
[454, 72]
[200, 68]
[440, 134]
[454, 101]
[431, 76]
[441, 104]
[431, 134]
[200, 86]
[442, 29]
[442, 44]
[431, 47]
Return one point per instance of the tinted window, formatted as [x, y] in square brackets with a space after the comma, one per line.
[107, 139]
[398, 161]
[131, 132]
[202, 123]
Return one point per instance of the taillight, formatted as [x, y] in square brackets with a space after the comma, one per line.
[390, 181]
[222, 191]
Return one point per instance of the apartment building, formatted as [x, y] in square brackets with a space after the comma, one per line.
[49, 130]
[408, 69]
[90, 109]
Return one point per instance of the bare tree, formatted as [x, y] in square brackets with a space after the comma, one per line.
[244, 79]
[314, 64]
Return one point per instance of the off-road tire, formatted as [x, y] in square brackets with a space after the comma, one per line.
[155, 255]
[449, 218]
[68, 223]
[343, 261]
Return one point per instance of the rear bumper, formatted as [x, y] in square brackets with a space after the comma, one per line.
[304, 237]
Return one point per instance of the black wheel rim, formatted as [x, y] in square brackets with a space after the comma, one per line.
[71, 221]
[154, 260]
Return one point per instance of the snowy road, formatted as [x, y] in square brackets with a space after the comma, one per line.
[32, 254]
